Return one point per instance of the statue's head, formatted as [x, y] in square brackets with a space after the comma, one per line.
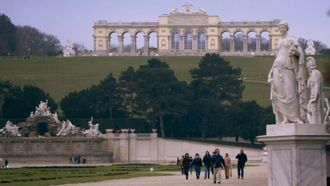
[310, 42]
[283, 27]
[310, 64]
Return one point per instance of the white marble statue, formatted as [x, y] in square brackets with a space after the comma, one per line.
[287, 79]
[316, 103]
[93, 130]
[188, 8]
[174, 11]
[55, 117]
[10, 129]
[202, 11]
[42, 109]
[68, 50]
[67, 128]
[310, 50]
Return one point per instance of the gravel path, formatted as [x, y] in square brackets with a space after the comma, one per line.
[254, 176]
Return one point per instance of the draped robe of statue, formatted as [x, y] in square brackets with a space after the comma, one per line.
[288, 82]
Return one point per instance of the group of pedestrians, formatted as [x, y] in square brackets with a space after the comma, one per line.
[213, 163]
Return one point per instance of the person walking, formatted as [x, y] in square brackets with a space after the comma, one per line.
[191, 164]
[217, 163]
[6, 163]
[241, 160]
[186, 165]
[227, 165]
[181, 164]
[197, 162]
[207, 163]
[212, 168]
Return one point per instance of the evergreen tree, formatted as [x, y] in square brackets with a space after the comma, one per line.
[158, 92]
[7, 36]
[216, 85]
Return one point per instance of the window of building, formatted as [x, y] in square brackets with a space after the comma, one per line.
[201, 43]
[188, 41]
[175, 40]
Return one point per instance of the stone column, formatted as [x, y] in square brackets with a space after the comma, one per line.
[195, 43]
[107, 48]
[231, 43]
[181, 43]
[132, 146]
[206, 43]
[169, 42]
[120, 44]
[258, 43]
[146, 44]
[109, 43]
[94, 44]
[220, 43]
[154, 149]
[124, 147]
[296, 154]
[270, 43]
[133, 44]
[245, 47]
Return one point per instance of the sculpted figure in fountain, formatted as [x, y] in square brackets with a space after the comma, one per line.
[67, 128]
[10, 129]
[42, 109]
[93, 130]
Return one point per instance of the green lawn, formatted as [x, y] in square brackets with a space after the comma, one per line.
[31, 176]
[59, 76]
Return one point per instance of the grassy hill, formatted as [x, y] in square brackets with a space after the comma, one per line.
[59, 76]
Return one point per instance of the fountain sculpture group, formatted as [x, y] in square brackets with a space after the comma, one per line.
[55, 126]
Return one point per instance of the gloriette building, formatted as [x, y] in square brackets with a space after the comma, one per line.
[187, 32]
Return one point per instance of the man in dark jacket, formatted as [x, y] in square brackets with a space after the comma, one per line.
[197, 162]
[186, 163]
[6, 163]
[241, 160]
[207, 163]
[217, 163]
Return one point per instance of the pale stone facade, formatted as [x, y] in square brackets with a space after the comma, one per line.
[189, 33]
[111, 147]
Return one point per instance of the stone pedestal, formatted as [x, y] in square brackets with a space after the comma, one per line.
[296, 154]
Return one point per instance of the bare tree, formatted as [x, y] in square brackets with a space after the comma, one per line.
[30, 41]
[319, 46]
[79, 49]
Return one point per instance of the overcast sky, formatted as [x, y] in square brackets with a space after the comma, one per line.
[73, 19]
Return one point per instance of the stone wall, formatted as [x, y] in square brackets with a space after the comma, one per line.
[54, 149]
[148, 148]
[111, 147]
